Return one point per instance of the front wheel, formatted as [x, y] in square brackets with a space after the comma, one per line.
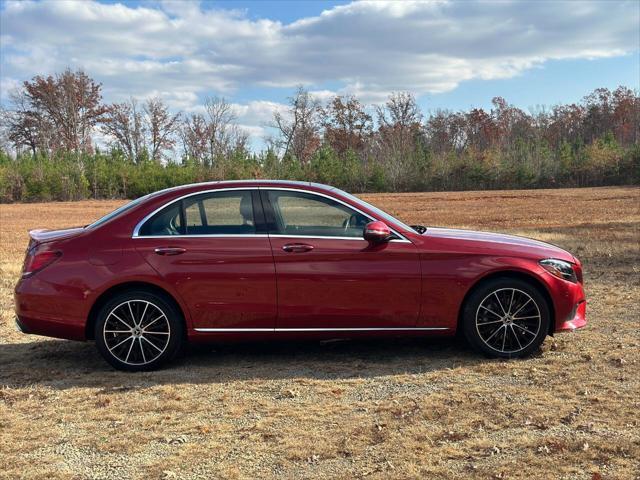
[506, 318]
[138, 331]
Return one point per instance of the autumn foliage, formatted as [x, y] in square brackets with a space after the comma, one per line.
[50, 148]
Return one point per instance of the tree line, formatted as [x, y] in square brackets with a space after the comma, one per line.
[49, 132]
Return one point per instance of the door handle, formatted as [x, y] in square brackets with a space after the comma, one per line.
[170, 250]
[297, 247]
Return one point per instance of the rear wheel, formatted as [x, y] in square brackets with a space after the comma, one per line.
[506, 318]
[138, 331]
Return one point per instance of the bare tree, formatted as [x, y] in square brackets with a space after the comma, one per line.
[210, 139]
[400, 111]
[151, 129]
[399, 130]
[195, 138]
[220, 120]
[25, 126]
[124, 123]
[240, 139]
[161, 127]
[18, 126]
[298, 131]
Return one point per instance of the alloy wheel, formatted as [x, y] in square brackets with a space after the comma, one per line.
[508, 320]
[136, 332]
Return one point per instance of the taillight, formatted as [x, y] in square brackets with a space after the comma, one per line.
[36, 261]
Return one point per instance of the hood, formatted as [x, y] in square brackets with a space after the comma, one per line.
[500, 243]
[42, 236]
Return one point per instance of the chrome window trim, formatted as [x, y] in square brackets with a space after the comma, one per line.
[261, 235]
[320, 237]
[136, 230]
[356, 329]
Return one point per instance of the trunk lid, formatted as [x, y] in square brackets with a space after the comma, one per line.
[40, 235]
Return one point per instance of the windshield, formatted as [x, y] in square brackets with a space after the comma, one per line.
[376, 210]
[118, 211]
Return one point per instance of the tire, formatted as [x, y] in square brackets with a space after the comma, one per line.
[506, 318]
[139, 331]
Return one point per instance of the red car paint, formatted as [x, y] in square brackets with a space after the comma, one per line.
[290, 286]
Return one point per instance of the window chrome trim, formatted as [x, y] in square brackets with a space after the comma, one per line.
[402, 238]
[280, 330]
[260, 235]
[216, 235]
[136, 230]
[320, 237]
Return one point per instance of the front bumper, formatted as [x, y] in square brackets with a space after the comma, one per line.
[569, 303]
[577, 318]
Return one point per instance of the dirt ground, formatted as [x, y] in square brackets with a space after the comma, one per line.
[375, 409]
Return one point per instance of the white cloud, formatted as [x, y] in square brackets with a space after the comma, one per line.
[7, 85]
[257, 112]
[180, 51]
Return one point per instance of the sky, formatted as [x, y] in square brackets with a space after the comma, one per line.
[450, 54]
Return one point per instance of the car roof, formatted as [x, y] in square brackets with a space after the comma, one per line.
[240, 183]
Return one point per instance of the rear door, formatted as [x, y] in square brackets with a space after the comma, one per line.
[329, 277]
[213, 248]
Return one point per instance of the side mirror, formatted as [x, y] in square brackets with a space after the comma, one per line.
[376, 232]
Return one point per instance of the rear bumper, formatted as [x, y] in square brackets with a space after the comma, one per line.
[21, 326]
[49, 328]
[48, 313]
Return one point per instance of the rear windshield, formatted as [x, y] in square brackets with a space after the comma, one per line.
[118, 211]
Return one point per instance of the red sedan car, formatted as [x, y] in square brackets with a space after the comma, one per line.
[276, 259]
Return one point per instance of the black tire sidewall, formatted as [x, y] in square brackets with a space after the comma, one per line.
[479, 293]
[174, 317]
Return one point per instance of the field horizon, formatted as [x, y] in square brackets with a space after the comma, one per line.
[392, 408]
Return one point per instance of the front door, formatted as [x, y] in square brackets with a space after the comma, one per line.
[329, 277]
[211, 249]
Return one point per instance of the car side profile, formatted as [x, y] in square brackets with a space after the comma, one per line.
[277, 259]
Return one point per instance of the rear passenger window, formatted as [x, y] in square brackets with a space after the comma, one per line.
[167, 221]
[222, 213]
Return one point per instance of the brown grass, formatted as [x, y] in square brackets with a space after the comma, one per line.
[384, 409]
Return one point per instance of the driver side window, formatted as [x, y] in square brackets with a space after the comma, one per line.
[298, 213]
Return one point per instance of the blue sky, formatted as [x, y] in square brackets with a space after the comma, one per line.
[557, 81]
[451, 55]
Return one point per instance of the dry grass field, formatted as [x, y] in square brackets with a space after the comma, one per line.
[383, 409]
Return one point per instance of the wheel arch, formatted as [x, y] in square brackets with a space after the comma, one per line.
[516, 274]
[123, 287]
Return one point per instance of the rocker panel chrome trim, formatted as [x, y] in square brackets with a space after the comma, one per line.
[280, 330]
